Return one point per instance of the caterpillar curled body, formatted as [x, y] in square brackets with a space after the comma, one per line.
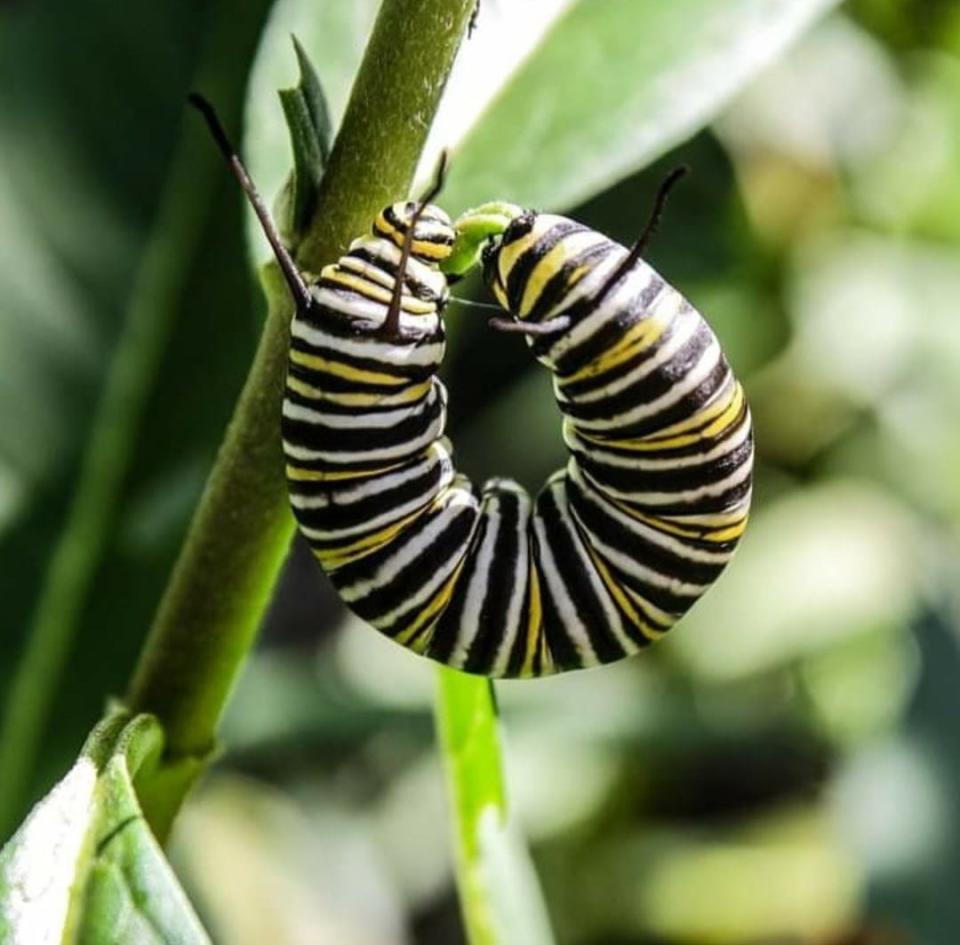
[616, 547]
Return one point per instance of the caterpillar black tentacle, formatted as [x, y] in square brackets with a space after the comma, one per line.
[615, 548]
[288, 267]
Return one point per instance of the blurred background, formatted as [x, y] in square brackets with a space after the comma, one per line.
[785, 769]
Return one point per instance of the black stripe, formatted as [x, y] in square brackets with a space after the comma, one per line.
[413, 373]
[559, 284]
[604, 338]
[647, 389]
[633, 545]
[450, 544]
[688, 405]
[328, 405]
[574, 576]
[702, 443]
[337, 516]
[522, 268]
[504, 574]
[314, 435]
[684, 478]
[413, 286]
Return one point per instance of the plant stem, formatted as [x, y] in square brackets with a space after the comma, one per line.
[500, 898]
[221, 583]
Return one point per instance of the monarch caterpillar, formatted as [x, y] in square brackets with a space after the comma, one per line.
[616, 547]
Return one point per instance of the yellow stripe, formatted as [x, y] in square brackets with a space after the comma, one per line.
[715, 524]
[534, 627]
[727, 405]
[727, 534]
[423, 248]
[654, 633]
[633, 341]
[427, 250]
[336, 558]
[383, 227]
[651, 633]
[509, 255]
[547, 267]
[665, 440]
[734, 523]
[300, 474]
[358, 400]
[438, 603]
[375, 293]
[361, 268]
[316, 363]
[658, 524]
[553, 262]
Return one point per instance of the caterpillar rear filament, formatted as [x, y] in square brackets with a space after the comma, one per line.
[616, 547]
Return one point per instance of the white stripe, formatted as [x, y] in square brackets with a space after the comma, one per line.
[612, 305]
[709, 359]
[421, 355]
[614, 621]
[604, 458]
[640, 571]
[649, 534]
[388, 252]
[631, 286]
[478, 587]
[686, 326]
[742, 472]
[363, 420]
[344, 458]
[732, 515]
[361, 309]
[389, 517]
[515, 607]
[659, 619]
[459, 497]
[374, 486]
[572, 625]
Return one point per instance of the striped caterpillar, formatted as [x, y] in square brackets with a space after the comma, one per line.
[617, 546]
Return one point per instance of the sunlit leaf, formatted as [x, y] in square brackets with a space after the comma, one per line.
[614, 85]
[84, 868]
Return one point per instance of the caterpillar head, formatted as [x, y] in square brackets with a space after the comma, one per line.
[433, 236]
[518, 227]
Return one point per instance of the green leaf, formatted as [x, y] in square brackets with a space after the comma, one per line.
[335, 35]
[615, 84]
[311, 132]
[499, 894]
[84, 868]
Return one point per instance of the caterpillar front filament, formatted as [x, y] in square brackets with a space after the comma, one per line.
[616, 547]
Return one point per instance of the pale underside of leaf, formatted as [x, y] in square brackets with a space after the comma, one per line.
[612, 86]
[84, 868]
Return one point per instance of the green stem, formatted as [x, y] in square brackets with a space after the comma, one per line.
[500, 898]
[221, 583]
[185, 207]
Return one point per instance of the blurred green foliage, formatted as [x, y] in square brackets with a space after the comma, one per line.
[785, 768]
